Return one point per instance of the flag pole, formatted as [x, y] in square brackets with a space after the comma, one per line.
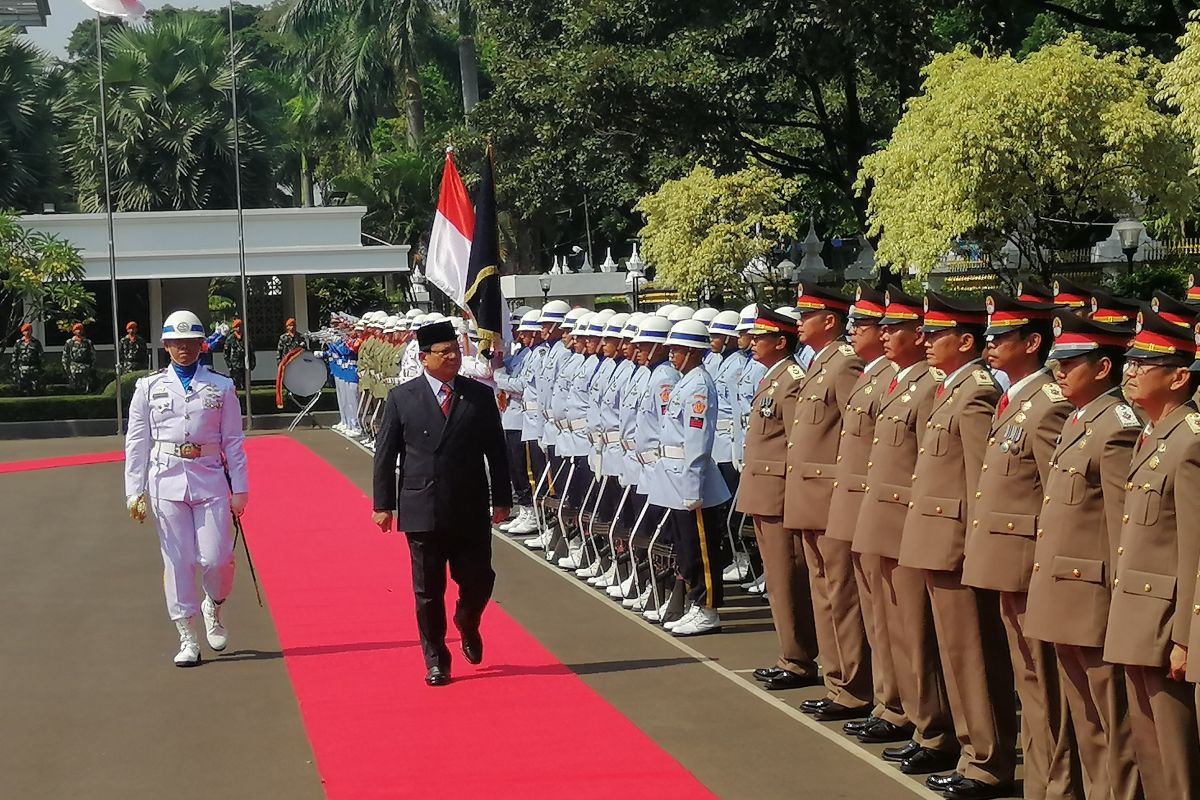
[112, 250]
[241, 227]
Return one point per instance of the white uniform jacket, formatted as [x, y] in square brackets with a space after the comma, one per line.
[685, 473]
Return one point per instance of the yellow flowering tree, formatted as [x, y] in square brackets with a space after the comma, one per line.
[703, 229]
[1181, 86]
[996, 149]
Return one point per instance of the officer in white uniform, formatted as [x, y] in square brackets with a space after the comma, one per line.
[184, 457]
[521, 416]
[747, 385]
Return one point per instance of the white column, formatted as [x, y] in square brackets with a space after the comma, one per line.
[156, 319]
[300, 302]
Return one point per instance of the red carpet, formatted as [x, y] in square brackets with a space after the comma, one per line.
[521, 725]
[60, 461]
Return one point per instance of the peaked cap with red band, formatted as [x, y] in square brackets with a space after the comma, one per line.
[900, 307]
[767, 320]
[869, 304]
[810, 297]
[1032, 292]
[1075, 335]
[1010, 313]
[1071, 294]
[1193, 290]
[942, 313]
[1156, 337]
[1173, 310]
[1112, 309]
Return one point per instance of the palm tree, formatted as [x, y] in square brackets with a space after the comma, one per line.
[170, 127]
[362, 52]
[31, 95]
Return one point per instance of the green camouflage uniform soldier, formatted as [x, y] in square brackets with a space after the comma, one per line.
[132, 355]
[79, 360]
[27, 359]
[290, 340]
[235, 355]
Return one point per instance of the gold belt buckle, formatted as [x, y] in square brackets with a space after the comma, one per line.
[189, 450]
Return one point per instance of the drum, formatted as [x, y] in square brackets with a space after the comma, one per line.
[305, 375]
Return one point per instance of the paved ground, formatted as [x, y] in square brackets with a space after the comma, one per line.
[88, 699]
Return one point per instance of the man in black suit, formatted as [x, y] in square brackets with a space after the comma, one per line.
[440, 446]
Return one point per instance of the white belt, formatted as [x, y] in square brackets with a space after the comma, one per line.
[187, 450]
[593, 437]
[530, 406]
[610, 437]
[629, 446]
[577, 425]
[562, 426]
[666, 451]
[724, 426]
[647, 457]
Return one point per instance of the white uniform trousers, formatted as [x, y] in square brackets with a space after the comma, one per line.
[190, 534]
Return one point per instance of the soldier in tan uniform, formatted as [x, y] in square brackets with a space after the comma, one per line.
[1076, 546]
[1149, 618]
[854, 450]
[773, 341]
[903, 622]
[1074, 296]
[999, 547]
[979, 678]
[812, 450]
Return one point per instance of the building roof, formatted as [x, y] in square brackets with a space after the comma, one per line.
[24, 13]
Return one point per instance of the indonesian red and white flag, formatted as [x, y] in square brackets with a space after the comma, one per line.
[450, 240]
[126, 9]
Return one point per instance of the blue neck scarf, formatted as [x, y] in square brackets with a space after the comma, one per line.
[185, 374]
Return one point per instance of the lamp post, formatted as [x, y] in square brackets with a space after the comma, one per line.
[544, 282]
[633, 277]
[1129, 231]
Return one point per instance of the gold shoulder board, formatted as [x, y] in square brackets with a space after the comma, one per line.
[845, 349]
[938, 375]
[1054, 392]
[796, 371]
[1126, 416]
[983, 377]
[1193, 421]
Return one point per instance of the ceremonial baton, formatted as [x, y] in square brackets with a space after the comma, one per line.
[238, 533]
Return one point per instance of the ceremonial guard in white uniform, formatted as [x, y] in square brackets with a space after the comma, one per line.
[184, 458]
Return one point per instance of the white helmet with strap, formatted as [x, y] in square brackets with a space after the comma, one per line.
[182, 325]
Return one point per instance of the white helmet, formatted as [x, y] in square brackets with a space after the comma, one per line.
[433, 317]
[599, 321]
[554, 311]
[653, 329]
[519, 313]
[419, 320]
[681, 313]
[403, 323]
[182, 325]
[583, 323]
[689, 333]
[724, 324]
[789, 311]
[631, 325]
[570, 317]
[705, 315]
[615, 325]
[531, 321]
[747, 317]
[413, 313]
[665, 311]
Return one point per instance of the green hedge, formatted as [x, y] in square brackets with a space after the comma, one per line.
[38, 409]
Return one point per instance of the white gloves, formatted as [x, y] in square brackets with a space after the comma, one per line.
[237, 503]
[136, 505]
[692, 505]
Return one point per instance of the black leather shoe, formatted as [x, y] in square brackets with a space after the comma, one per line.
[436, 677]
[882, 732]
[813, 706]
[472, 646]
[835, 713]
[971, 789]
[856, 726]
[766, 673]
[790, 680]
[901, 753]
[925, 760]
[940, 783]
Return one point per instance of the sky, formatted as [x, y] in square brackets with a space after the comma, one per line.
[66, 14]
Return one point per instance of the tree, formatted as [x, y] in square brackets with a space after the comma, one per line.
[40, 278]
[170, 125]
[997, 149]
[703, 230]
[1181, 87]
[30, 117]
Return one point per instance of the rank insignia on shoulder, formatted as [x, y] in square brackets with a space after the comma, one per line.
[796, 371]
[938, 375]
[1126, 416]
[845, 349]
[1193, 421]
[983, 377]
[1053, 392]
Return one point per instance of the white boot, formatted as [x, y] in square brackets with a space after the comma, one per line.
[738, 570]
[606, 578]
[643, 600]
[687, 614]
[526, 523]
[508, 524]
[622, 589]
[758, 586]
[540, 541]
[574, 557]
[701, 620]
[189, 648]
[214, 631]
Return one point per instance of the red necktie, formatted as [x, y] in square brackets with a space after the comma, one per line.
[1003, 404]
[941, 390]
[892, 386]
[445, 401]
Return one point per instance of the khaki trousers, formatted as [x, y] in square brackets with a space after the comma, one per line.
[884, 686]
[1052, 766]
[979, 677]
[787, 584]
[1162, 722]
[908, 619]
[1095, 694]
[841, 638]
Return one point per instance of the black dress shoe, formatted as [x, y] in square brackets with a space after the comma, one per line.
[901, 753]
[856, 726]
[925, 761]
[813, 706]
[472, 646]
[766, 673]
[436, 677]
[790, 680]
[940, 783]
[882, 732]
[835, 712]
[971, 789]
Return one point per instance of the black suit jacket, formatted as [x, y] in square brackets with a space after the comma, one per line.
[434, 470]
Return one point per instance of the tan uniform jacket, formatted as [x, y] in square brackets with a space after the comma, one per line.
[887, 496]
[1160, 543]
[771, 413]
[949, 462]
[999, 547]
[813, 436]
[854, 450]
[1080, 527]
